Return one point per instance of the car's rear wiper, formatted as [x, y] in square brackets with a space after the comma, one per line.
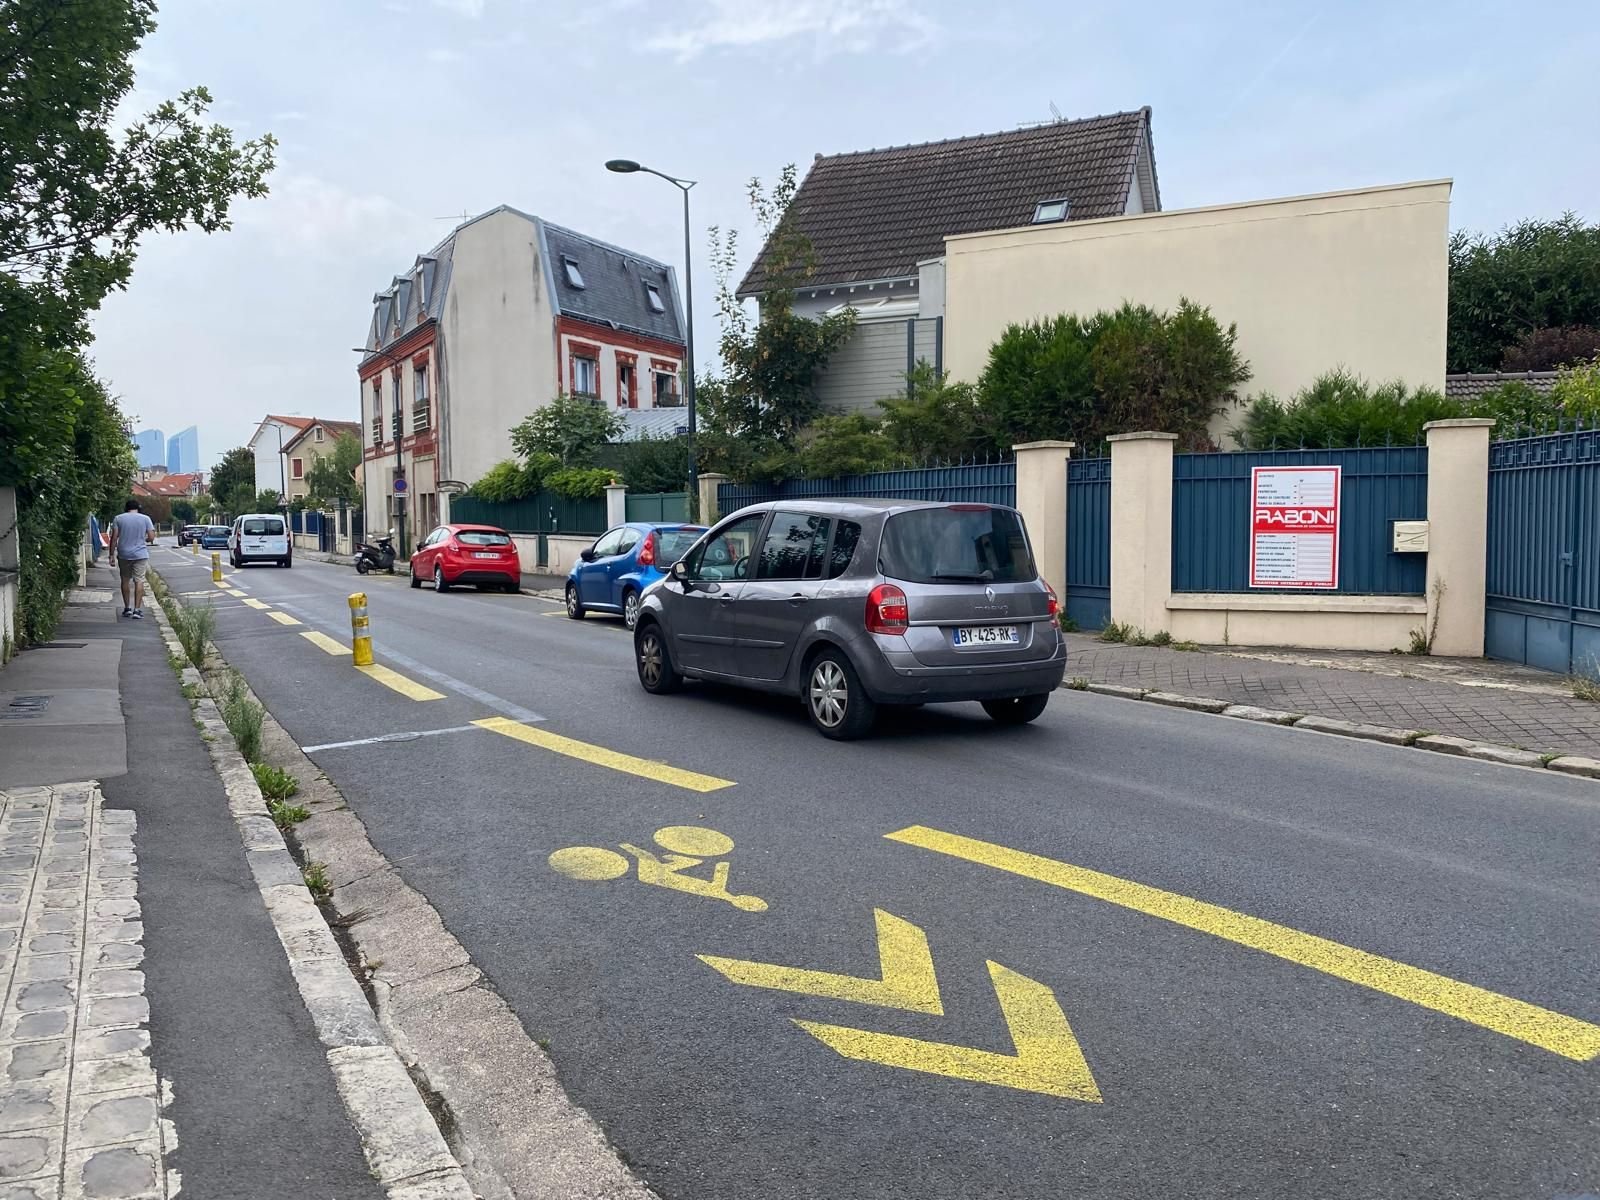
[986, 577]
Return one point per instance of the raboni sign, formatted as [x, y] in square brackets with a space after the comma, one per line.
[1294, 527]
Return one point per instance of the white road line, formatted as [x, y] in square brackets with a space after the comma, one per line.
[515, 711]
[410, 736]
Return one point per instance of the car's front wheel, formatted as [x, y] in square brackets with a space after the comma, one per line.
[630, 609]
[574, 605]
[1018, 710]
[838, 705]
[657, 675]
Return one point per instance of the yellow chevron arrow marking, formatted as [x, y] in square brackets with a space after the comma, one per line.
[908, 980]
[1048, 1057]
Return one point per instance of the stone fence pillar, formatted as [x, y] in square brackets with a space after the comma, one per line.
[1458, 534]
[1141, 529]
[1042, 501]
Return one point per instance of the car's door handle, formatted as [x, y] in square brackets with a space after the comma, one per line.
[725, 601]
[797, 599]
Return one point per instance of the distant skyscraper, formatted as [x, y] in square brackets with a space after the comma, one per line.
[151, 448]
[183, 452]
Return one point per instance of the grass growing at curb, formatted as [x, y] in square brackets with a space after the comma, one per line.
[1117, 631]
[275, 784]
[193, 623]
[1068, 625]
[318, 882]
[242, 716]
[287, 816]
[1078, 683]
[1584, 688]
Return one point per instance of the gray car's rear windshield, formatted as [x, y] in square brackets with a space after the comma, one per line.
[975, 544]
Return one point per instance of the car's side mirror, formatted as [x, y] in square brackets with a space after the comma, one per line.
[680, 572]
[587, 554]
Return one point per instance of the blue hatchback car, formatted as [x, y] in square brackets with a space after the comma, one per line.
[215, 537]
[624, 561]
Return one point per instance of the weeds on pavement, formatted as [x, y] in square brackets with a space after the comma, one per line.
[194, 624]
[1117, 631]
[1068, 625]
[1584, 688]
[275, 784]
[317, 880]
[1078, 683]
[242, 716]
[287, 816]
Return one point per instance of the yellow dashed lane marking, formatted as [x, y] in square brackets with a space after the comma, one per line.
[257, 604]
[280, 618]
[1553, 1031]
[406, 687]
[323, 642]
[644, 767]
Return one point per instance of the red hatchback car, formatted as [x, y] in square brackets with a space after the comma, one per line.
[478, 554]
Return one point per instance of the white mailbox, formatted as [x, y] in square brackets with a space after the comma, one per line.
[1410, 537]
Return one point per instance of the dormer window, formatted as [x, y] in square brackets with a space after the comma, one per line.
[422, 287]
[1050, 210]
[652, 297]
[574, 276]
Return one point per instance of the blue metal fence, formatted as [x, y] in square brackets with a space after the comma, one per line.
[1381, 485]
[1088, 598]
[544, 512]
[658, 506]
[1543, 603]
[986, 483]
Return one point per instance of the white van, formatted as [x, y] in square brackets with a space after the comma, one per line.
[260, 537]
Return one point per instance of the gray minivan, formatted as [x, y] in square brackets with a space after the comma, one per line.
[853, 604]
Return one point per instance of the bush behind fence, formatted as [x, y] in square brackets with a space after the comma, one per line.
[977, 483]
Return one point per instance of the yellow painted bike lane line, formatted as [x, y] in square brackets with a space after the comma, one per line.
[1556, 1032]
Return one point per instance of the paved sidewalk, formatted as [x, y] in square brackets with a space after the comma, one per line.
[1483, 701]
[146, 996]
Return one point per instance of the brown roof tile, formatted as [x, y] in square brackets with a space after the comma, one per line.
[874, 214]
[1470, 387]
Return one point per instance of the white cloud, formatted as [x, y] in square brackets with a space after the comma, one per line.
[833, 26]
[443, 54]
[304, 212]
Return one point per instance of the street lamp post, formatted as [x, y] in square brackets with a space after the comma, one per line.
[626, 166]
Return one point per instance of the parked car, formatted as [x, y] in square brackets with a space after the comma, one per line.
[459, 554]
[189, 533]
[612, 574]
[215, 537]
[852, 605]
[260, 537]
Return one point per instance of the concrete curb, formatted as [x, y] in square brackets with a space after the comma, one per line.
[403, 1146]
[1567, 764]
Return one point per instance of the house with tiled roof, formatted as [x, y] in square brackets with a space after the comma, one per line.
[491, 324]
[302, 450]
[877, 221]
[1475, 385]
[267, 443]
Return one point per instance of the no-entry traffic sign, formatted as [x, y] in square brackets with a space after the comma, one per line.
[1294, 527]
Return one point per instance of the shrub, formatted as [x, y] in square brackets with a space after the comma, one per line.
[1547, 349]
[845, 444]
[651, 464]
[578, 483]
[1577, 391]
[1517, 408]
[934, 418]
[1341, 409]
[569, 430]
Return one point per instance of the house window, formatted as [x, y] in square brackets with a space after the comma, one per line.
[398, 423]
[297, 468]
[377, 412]
[421, 415]
[627, 394]
[422, 289]
[574, 276]
[1050, 210]
[319, 433]
[667, 390]
[652, 296]
[585, 376]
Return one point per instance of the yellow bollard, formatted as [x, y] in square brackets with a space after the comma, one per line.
[216, 567]
[360, 630]
[194, 546]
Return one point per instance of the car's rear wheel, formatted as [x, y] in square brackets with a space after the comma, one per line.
[838, 705]
[574, 605]
[630, 608]
[657, 675]
[288, 562]
[512, 588]
[439, 585]
[1018, 710]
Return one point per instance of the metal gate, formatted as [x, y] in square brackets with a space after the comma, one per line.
[1088, 599]
[1544, 552]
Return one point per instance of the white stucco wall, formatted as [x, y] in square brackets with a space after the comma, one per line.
[498, 332]
[1355, 278]
[265, 448]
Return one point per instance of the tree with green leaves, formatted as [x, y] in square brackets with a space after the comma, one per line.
[1340, 409]
[1531, 276]
[934, 419]
[233, 481]
[569, 431]
[270, 500]
[332, 477]
[183, 510]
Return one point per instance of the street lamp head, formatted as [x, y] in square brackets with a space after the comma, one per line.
[622, 166]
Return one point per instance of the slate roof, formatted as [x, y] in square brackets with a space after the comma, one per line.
[1470, 387]
[874, 214]
[334, 428]
[614, 285]
[435, 265]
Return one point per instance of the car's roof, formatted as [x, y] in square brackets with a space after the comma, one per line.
[470, 528]
[859, 507]
[686, 526]
[255, 516]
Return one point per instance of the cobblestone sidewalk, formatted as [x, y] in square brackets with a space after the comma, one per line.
[1480, 701]
[78, 1096]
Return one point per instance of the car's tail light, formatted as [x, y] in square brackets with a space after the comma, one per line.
[647, 552]
[887, 611]
[1055, 604]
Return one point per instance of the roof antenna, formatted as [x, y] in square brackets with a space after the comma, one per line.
[464, 215]
[1054, 111]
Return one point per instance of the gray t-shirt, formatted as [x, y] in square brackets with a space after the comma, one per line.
[132, 528]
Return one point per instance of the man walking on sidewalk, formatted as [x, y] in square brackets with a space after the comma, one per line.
[132, 534]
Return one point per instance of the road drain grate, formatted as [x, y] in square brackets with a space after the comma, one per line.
[23, 707]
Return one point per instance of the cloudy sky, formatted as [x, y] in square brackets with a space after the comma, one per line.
[397, 116]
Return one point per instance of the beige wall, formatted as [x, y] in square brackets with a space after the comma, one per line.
[1355, 278]
[499, 341]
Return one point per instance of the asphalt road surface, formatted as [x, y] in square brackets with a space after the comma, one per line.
[1123, 952]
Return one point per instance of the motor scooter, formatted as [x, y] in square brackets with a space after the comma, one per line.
[375, 556]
